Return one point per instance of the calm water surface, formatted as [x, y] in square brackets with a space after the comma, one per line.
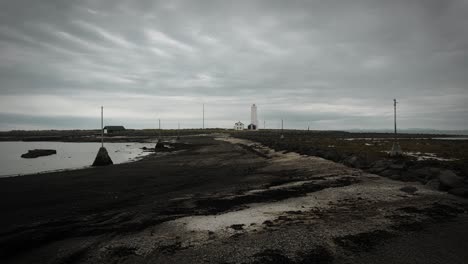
[69, 156]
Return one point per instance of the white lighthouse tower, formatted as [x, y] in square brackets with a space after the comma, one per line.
[253, 118]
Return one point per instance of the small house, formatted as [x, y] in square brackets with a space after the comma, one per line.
[239, 126]
[113, 129]
[252, 127]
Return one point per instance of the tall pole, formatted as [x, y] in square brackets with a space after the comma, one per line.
[178, 130]
[396, 149]
[394, 116]
[264, 124]
[102, 126]
[282, 136]
[159, 129]
[203, 126]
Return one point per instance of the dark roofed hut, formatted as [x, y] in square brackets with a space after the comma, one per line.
[252, 127]
[112, 129]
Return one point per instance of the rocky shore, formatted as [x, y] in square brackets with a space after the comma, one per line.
[439, 174]
[35, 153]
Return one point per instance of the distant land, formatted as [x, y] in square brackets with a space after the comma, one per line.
[353, 130]
[412, 131]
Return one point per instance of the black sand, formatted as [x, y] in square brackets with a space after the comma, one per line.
[80, 216]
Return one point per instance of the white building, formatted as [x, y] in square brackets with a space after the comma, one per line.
[239, 126]
[253, 118]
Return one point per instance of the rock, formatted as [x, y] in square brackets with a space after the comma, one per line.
[331, 155]
[433, 184]
[160, 146]
[397, 166]
[460, 191]
[38, 153]
[379, 166]
[409, 189]
[237, 227]
[355, 162]
[396, 177]
[408, 176]
[425, 173]
[377, 170]
[388, 173]
[434, 171]
[448, 180]
[102, 158]
[381, 163]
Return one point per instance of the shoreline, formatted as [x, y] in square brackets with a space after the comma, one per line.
[144, 154]
[136, 159]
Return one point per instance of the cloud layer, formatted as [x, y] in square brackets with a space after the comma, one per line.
[327, 64]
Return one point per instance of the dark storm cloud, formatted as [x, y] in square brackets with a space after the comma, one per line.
[327, 64]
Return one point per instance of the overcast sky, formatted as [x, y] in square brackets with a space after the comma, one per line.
[324, 63]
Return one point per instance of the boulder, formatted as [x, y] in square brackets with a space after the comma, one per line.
[409, 189]
[460, 191]
[425, 173]
[396, 177]
[399, 166]
[379, 166]
[383, 163]
[434, 184]
[160, 146]
[448, 180]
[102, 158]
[355, 162]
[38, 153]
[409, 176]
[388, 173]
[331, 155]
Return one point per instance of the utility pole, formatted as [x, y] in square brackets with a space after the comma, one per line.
[178, 130]
[396, 149]
[282, 136]
[102, 126]
[264, 124]
[159, 139]
[394, 116]
[102, 157]
[203, 116]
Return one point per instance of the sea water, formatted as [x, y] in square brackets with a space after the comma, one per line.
[69, 156]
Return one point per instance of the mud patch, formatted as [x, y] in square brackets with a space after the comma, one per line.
[213, 205]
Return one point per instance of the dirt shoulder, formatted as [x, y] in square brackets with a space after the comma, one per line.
[222, 200]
